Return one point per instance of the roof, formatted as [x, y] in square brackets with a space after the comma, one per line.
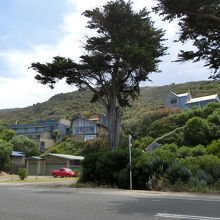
[35, 158]
[66, 156]
[17, 154]
[204, 98]
[153, 146]
[182, 95]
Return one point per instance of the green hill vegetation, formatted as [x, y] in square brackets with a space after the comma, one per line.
[187, 160]
[70, 104]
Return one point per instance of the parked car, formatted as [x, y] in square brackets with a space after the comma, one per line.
[63, 172]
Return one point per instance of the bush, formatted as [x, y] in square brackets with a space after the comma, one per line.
[5, 153]
[22, 173]
[211, 165]
[184, 152]
[214, 148]
[178, 172]
[159, 128]
[199, 150]
[95, 145]
[196, 131]
[143, 142]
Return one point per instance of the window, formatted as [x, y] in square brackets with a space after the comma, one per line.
[173, 101]
[42, 146]
[89, 137]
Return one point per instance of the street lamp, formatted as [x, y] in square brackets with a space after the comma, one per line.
[130, 145]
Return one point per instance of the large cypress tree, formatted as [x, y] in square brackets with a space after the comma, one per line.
[123, 52]
[199, 21]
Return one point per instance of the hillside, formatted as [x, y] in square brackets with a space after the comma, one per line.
[70, 104]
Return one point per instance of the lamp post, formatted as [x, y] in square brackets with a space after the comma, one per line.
[130, 145]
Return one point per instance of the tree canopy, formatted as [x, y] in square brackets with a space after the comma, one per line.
[24, 144]
[199, 21]
[123, 52]
[5, 153]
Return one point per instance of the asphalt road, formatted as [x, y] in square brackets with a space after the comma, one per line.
[33, 203]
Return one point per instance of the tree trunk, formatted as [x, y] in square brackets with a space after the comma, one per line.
[114, 120]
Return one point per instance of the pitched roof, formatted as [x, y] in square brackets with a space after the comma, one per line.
[66, 156]
[182, 95]
[204, 98]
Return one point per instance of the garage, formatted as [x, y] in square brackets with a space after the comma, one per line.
[54, 166]
[43, 165]
[35, 165]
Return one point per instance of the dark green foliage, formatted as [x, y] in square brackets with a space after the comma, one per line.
[199, 150]
[214, 148]
[89, 168]
[199, 22]
[184, 152]
[95, 145]
[22, 173]
[26, 145]
[196, 131]
[109, 165]
[6, 134]
[142, 143]
[210, 108]
[178, 172]
[211, 165]
[175, 136]
[159, 128]
[5, 153]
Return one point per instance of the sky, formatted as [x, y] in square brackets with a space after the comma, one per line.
[37, 30]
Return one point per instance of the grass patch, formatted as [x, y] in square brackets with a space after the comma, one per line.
[32, 180]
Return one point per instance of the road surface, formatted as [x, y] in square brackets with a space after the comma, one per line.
[34, 203]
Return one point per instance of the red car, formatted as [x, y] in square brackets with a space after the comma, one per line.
[63, 172]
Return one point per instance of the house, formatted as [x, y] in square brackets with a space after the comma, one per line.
[185, 100]
[86, 129]
[43, 165]
[153, 146]
[17, 161]
[43, 131]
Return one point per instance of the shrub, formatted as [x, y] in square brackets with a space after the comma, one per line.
[124, 178]
[109, 165]
[214, 148]
[191, 163]
[95, 145]
[178, 172]
[159, 128]
[184, 152]
[171, 147]
[211, 165]
[199, 150]
[143, 142]
[89, 168]
[5, 153]
[22, 173]
[209, 108]
[196, 131]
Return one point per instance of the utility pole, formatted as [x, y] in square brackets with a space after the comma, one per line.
[130, 145]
